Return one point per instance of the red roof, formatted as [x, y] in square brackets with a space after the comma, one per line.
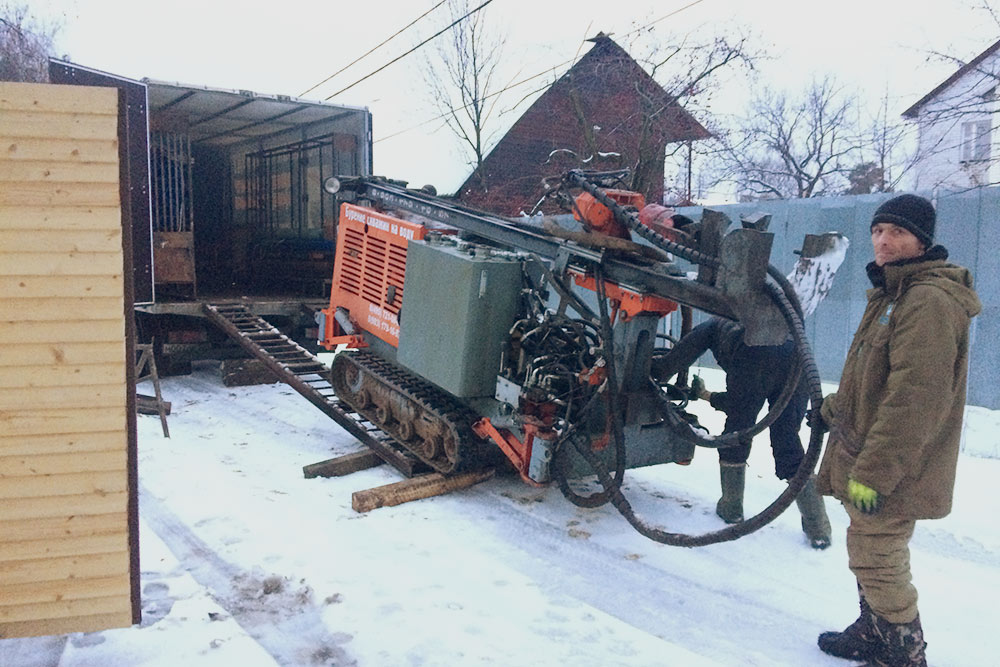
[594, 111]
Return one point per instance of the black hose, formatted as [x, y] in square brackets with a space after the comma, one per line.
[631, 220]
[769, 513]
[787, 302]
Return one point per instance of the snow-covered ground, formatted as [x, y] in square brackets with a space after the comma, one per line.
[245, 562]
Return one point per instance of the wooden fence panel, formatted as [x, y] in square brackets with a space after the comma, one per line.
[66, 545]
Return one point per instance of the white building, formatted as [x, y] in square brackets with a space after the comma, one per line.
[955, 126]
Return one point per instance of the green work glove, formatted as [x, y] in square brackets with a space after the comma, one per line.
[697, 388]
[863, 497]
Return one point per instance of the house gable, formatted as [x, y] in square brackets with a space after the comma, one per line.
[970, 69]
[606, 112]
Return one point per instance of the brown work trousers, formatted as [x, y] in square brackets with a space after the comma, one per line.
[878, 552]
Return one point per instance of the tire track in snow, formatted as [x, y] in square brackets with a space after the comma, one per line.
[284, 622]
[712, 621]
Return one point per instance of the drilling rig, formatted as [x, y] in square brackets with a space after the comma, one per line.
[475, 340]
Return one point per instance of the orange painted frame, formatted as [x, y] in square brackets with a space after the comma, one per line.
[631, 302]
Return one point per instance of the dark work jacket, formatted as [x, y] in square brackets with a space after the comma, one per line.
[896, 419]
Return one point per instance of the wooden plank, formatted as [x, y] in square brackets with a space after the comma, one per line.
[54, 506]
[76, 309]
[67, 567]
[70, 484]
[33, 287]
[34, 193]
[46, 172]
[173, 265]
[48, 375]
[61, 526]
[60, 240]
[97, 331]
[18, 422]
[246, 372]
[415, 488]
[58, 98]
[53, 217]
[173, 240]
[58, 443]
[62, 353]
[74, 125]
[342, 465]
[58, 464]
[60, 398]
[62, 626]
[67, 589]
[147, 405]
[60, 264]
[84, 545]
[72, 151]
[64, 608]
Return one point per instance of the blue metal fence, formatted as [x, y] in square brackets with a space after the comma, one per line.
[968, 225]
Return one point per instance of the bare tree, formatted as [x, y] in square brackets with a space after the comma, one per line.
[25, 45]
[462, 80]
[794, 147]
[688, 72]
[675, 79]
[888, 152]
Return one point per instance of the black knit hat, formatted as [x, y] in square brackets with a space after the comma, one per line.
[913, 213]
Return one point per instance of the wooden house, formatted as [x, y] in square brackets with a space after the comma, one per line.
[605, 112]
[68, 508]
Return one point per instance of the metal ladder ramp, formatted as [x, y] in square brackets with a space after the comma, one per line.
[308, 375]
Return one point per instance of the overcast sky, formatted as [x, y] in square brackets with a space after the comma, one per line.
[287, 47]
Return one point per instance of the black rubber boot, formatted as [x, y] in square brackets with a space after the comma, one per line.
[902, 644]
[733, 478]
[815, 523]
[858, 641]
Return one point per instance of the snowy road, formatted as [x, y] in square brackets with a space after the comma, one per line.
[246, 562]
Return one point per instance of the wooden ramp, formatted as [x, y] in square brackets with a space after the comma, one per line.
[305, 373]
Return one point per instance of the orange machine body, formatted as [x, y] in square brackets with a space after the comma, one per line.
[599, 218]
[369, 272]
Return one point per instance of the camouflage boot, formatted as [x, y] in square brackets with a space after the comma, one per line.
[858, 641]
[815, 523]
[730, 505]
[902, 644]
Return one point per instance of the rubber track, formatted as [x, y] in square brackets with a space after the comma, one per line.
[433, 401]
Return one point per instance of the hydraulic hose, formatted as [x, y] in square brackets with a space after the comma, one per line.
[769, 513]
[785, 299]
[610, 391]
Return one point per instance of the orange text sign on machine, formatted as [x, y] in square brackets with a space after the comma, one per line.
[369, 271]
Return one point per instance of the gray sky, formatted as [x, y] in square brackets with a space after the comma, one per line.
[287, 47]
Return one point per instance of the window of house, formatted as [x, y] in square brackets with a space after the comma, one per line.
[976, 140]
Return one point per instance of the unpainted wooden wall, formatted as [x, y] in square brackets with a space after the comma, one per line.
[64, 535]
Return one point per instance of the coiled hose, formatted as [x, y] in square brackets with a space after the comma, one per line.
[785, 299]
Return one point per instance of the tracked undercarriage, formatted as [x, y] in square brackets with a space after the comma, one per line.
[420, 417]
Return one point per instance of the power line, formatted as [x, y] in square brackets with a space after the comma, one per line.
[486, 97]
[522, 81]
[400, 57]
[665, 16]
[371, 50]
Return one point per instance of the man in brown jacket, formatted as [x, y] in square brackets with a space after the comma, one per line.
[895, 425]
